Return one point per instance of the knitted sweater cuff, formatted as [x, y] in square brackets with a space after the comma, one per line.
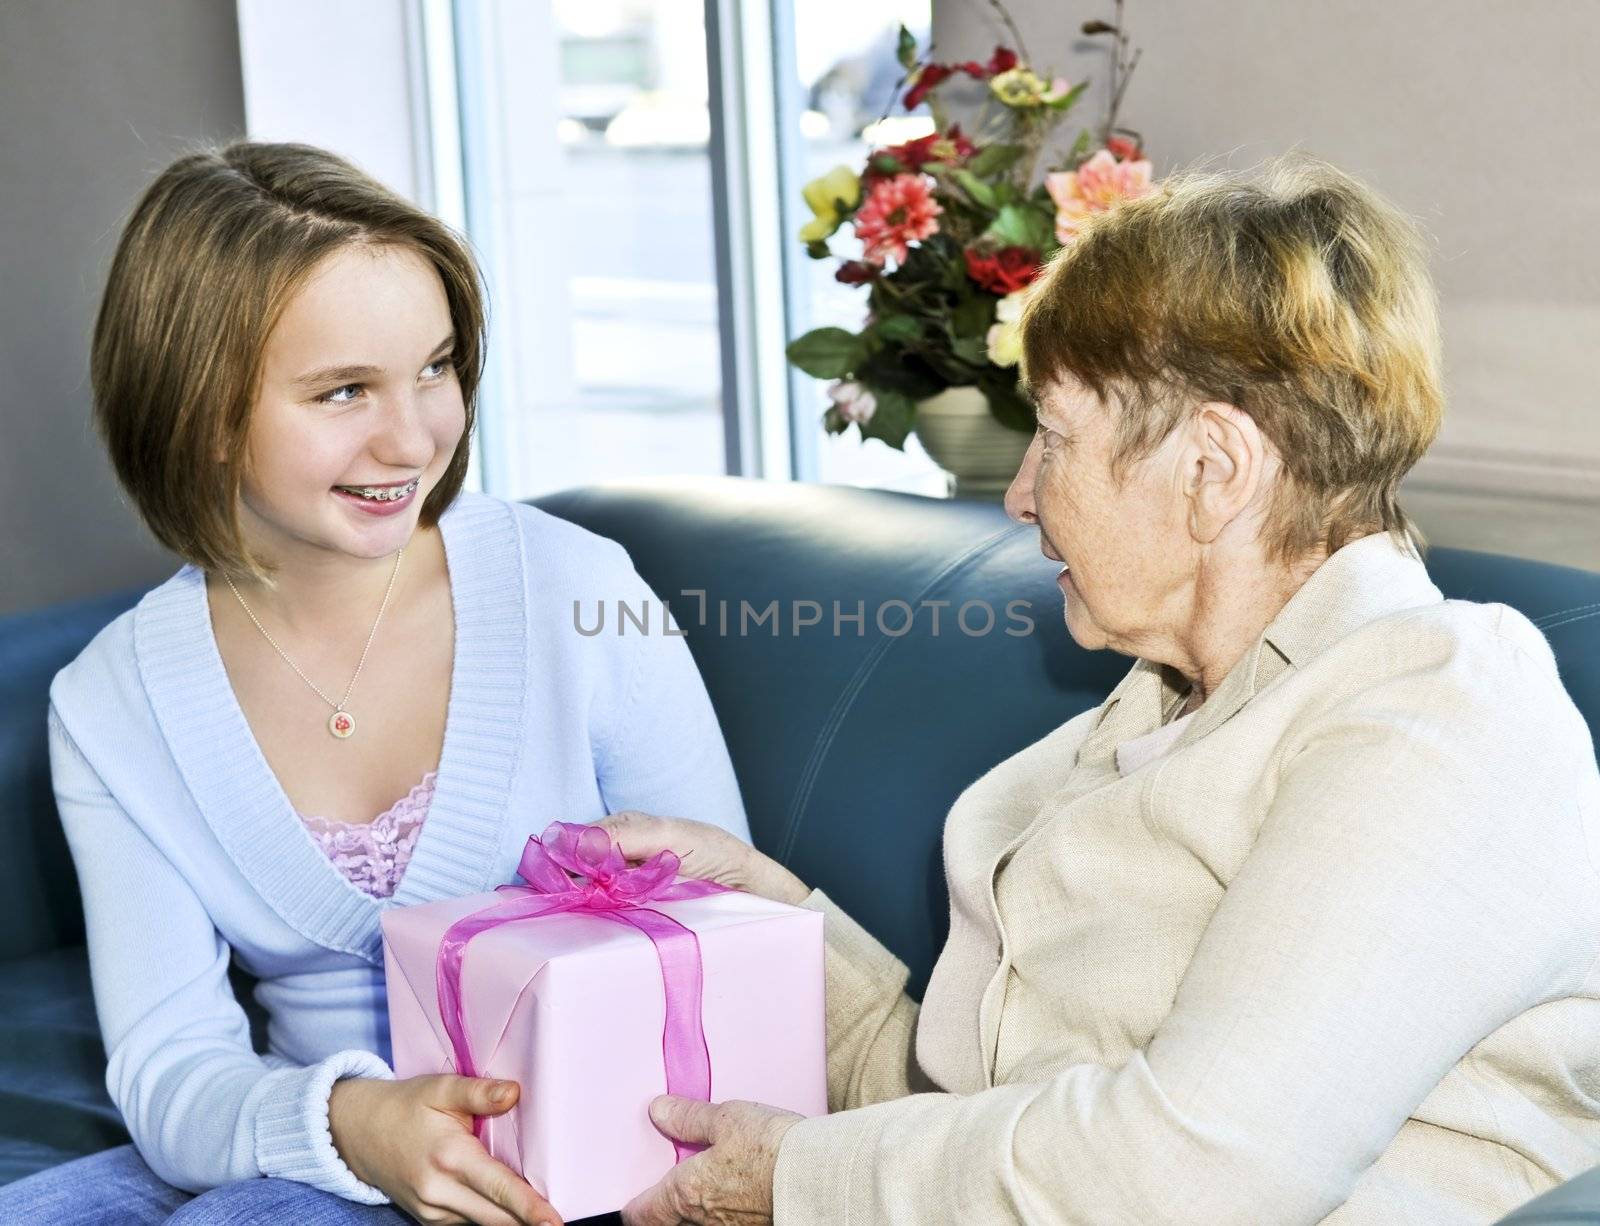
[293, 1140]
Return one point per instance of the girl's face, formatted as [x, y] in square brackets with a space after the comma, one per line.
[357, 389]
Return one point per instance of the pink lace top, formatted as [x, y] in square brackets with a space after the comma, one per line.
[374, 855]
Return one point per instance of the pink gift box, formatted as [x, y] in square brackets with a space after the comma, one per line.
[572, 1006]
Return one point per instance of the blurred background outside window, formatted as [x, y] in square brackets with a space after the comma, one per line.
[572, 140]
[844, 58]
[642, 391]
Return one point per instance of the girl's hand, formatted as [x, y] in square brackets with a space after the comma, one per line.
[413, 1140]
[705, 851]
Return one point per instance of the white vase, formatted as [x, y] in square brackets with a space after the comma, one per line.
[964, 439]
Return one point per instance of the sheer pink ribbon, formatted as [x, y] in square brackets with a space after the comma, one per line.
[607, 888]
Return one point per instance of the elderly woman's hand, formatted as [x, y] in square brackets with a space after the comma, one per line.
[704, 851]
[727, 1184]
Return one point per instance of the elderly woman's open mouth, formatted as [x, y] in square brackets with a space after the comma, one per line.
[1064, 578]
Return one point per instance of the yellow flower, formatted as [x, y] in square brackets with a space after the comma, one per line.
[832, 198]
[1005, 336]
[1020, 87]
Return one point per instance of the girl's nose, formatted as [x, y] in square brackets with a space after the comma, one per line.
[406, 440]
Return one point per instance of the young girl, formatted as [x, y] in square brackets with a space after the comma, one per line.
[365, 688]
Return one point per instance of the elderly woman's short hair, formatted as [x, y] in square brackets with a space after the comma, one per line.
[214, 250]
[1303, 298]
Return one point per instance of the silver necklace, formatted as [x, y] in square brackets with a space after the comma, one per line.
[341, 723]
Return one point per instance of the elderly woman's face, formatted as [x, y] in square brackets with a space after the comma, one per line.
[1125, 548]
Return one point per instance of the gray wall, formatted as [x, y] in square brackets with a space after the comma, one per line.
[1479, 118]
[96, 96]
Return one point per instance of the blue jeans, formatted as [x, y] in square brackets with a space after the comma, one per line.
[116, 1188]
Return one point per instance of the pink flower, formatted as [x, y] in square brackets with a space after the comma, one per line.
[1093, 188]
[854, 402]
[899, 211]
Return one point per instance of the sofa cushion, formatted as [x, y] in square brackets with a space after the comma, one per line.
[850, 748]
[53, 1101]
[1576, 1201]
[39, 905]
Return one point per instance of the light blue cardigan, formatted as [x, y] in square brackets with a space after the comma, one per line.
[187, 847]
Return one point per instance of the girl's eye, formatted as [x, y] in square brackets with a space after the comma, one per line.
[334, 396]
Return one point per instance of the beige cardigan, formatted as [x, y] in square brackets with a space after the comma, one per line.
[1331, 958]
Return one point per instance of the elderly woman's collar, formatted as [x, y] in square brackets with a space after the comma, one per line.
[1368, 578]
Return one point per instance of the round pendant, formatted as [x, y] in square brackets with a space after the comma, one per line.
[341, 724]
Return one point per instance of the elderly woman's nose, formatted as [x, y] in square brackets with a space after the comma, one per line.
[1019, 495]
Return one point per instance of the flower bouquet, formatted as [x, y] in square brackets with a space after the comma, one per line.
[953, 228]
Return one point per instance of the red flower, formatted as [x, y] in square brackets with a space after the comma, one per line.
[932, 75]
[1003, 60]
[1123, 149]
[950, 147]
[929, 76]
[1003, 271]
[856, 272]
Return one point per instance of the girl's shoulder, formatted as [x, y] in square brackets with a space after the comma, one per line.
[102, 686]
[560, 558]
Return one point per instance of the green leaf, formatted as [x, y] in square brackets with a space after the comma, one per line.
[906, 49]
[1020, 225]
[973, 316]
[891, 420]
[975, 187]
[900, 371]
[936, 261]
[952, 368]
[826, 353]
[898, 329]
[1006, 401]
[992, 159]
[818, 251]
[884, 164]
[1079, 146]
[1064, 103]
[973, 350]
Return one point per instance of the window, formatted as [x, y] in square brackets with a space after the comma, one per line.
[585, 141]
[638, 314]
[640, 246]
[845, 68]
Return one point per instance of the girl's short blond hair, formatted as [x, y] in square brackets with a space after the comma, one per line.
[213, 252]
[1303, 299]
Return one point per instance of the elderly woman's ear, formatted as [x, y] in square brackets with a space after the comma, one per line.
[1225, 463]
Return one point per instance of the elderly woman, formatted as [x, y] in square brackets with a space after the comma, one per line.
[1302, 923]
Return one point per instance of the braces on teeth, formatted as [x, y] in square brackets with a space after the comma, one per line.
[380, 495]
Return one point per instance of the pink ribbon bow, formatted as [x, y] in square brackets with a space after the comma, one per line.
[607, 888]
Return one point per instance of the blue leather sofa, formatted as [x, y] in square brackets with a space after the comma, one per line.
[844, 735]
